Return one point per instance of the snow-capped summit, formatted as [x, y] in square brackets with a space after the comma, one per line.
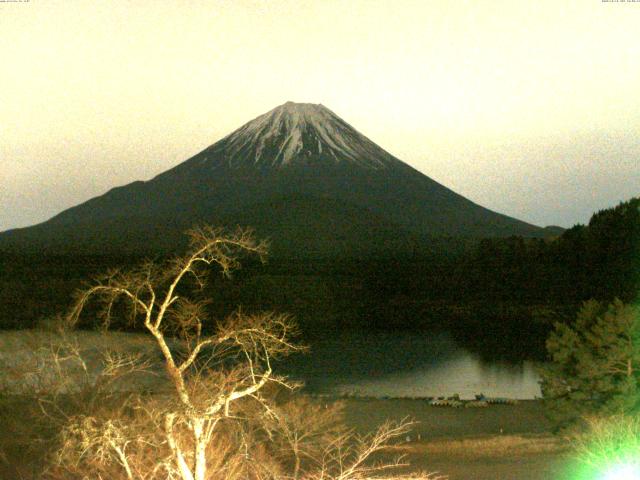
[297, 133]
[299, 175]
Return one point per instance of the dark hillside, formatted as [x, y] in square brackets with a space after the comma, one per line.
[297, 174]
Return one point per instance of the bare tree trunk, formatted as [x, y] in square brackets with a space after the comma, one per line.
[183, 468]
[296, 468]
[200, 449]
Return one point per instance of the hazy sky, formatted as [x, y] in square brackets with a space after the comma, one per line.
[530, 108]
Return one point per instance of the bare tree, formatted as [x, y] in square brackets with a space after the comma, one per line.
[217, 418]
[302, 430]
[241, 348]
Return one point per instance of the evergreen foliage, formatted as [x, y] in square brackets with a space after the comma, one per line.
[498, 296]
[600, 260]
[595, 364]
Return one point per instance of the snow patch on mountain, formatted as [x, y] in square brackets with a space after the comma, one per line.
[298, 132]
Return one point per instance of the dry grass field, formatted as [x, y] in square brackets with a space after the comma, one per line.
[518, 457]
[497, 442]
[500, 442]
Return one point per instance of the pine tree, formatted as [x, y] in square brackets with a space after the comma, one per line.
[595, 364]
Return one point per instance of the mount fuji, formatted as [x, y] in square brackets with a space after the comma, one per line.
[299, 175]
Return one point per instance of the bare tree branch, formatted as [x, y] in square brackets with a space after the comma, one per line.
[219, 374]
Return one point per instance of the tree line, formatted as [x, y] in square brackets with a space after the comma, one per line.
[513, 287]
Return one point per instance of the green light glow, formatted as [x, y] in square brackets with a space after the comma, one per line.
[609, 450]
[623, 472]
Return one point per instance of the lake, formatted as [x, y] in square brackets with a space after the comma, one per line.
[405, 364]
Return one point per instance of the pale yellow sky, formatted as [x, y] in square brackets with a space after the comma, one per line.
[530, 108]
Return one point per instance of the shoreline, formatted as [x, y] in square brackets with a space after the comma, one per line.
[527, 417]
[499, 442]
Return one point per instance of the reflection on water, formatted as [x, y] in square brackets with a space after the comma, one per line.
[407, 364]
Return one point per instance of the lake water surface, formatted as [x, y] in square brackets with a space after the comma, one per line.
[407, 364]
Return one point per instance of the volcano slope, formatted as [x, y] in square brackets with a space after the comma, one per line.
[298, 174]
